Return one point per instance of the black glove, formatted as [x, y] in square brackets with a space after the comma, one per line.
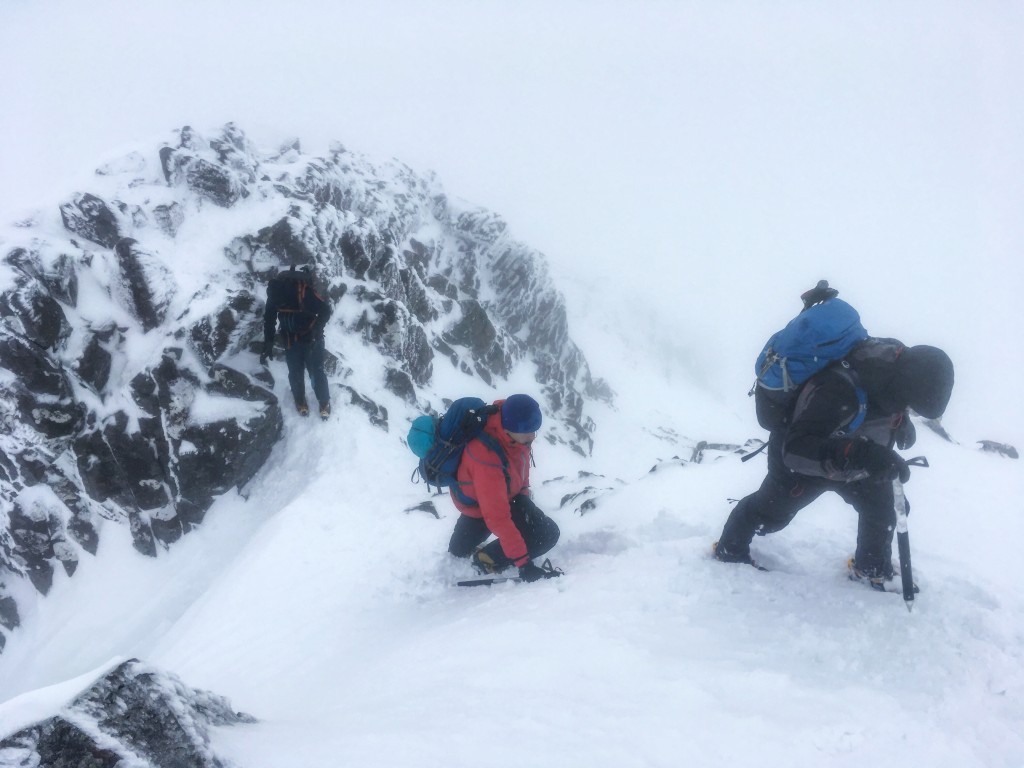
[906, 433]
[877, 460]
[268, 353]
[531, 573]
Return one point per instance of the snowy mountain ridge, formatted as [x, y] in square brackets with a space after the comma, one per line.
[129, 332]
[319, 600]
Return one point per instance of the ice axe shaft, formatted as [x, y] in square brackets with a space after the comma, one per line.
[902, 534]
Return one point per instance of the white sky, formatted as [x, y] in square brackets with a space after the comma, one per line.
[877, 144]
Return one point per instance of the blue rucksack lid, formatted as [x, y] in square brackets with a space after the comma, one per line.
[819, 335]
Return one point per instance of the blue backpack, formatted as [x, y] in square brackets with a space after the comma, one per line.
[440, 441]
[821, 334]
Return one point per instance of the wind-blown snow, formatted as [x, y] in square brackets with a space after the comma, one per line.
[880, 149]
[322, 608]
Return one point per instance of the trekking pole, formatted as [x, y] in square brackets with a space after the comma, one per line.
[902, 535]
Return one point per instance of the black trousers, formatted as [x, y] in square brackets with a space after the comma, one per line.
[538, 530]
[307, 357]
[784, 493]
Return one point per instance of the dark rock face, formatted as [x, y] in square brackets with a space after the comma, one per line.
[217, 171]
[41, 393]
[37, 531]
[36, 315]
[169, 218]
[492, 352]
[90, 217]
[131, 389]
[94, 364]
[229, 330]
[134, 715]
[147, 286]
[1002, 449]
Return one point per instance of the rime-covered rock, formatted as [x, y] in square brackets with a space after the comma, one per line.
[40, 396]
[146, 286]
[135, 715]
[94, 364]
[91, 217]
[128, 358]
[169, 218]
[229, 330]
[1002, 449]
[217, 170]
[33, 314]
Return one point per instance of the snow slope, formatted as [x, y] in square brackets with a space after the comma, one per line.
[323, 608]
[689, 168]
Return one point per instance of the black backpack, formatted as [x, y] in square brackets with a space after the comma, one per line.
[287, 291]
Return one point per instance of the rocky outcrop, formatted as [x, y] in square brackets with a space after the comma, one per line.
[131, 390]
[90, 217]
[133, 715]
[146, 286]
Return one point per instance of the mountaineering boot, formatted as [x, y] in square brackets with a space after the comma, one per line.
[325, 410]
[722, 554]
[302, 408]
[879, 579]
[726, 556]
[483, 563]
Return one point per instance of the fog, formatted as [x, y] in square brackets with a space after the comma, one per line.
[670, 150]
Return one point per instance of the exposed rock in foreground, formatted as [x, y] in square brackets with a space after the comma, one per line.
[133, 717]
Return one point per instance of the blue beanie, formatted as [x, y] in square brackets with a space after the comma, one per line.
[520, 414]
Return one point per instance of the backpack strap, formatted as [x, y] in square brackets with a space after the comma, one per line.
[294, 322]
[847, 372]
[495, 447]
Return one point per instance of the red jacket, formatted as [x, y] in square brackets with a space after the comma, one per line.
[481, 478]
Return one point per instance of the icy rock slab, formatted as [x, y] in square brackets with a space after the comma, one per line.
[135, 715]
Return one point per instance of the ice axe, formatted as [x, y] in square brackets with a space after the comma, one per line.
[550, 572]
[902, 536]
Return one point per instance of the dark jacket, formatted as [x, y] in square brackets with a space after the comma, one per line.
[817, 441]
[302, 312]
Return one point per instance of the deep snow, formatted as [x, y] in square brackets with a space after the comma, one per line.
[689, 168]
[318, 605]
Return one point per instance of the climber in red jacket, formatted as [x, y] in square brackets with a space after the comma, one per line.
[495, 474]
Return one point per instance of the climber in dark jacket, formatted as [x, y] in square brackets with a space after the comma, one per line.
[814, 453]
[302, 313]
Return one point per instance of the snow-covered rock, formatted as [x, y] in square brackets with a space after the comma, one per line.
[130, 323]
[135, 715]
